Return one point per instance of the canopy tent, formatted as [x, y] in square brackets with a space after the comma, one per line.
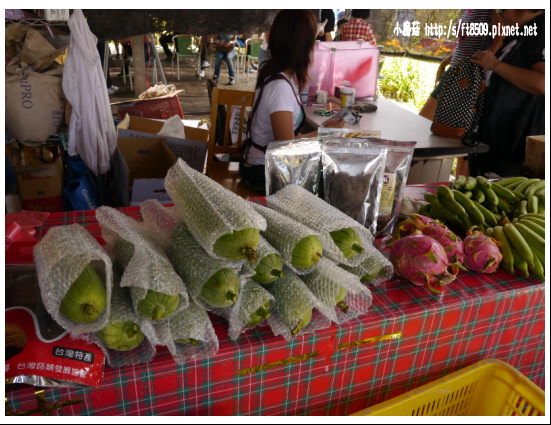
[121, 23]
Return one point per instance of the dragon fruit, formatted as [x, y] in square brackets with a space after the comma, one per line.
[407, 227]
[422, 260]
[452, 244]
[481, 252]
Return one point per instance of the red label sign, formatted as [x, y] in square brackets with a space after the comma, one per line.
[63, 358]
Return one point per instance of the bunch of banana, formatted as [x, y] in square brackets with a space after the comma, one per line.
[522, 244]
[457, 210]
[484, 203]
[510, 196]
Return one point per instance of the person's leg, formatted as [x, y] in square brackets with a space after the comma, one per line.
[147, 52]
[128, 54]
[228, 58]
[204, 62]
[219, 57]
[164, 40]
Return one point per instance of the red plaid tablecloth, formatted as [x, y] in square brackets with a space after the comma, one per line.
[341, 369]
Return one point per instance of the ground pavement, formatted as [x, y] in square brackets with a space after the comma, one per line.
[194, 99]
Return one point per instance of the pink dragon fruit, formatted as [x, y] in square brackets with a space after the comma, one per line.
[422, 260]
[481, 252]
[407, 227]
[453, 245]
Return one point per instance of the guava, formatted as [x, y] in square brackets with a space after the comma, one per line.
[238, 245]
[86, 299]
[306, 252]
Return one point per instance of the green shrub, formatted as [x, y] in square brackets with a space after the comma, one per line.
[402, 82]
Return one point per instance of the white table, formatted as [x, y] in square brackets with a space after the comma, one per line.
[433, 156]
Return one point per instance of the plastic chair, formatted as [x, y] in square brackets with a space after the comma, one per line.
[185, 46]
[255, 44]
[226, 173]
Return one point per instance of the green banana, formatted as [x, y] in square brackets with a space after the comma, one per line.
[425, 210]
[519, 243]
[533, 226]
[483, 182]
[489, 217]
[504, 193]
[510, 180]
[533, 240]
[470, 184]
[505, 248]
[538, 269]
[460, 182]
[526, 184]
[474, 214]
[532, 206]
[533, 188]
[478, 196]
[520, 264]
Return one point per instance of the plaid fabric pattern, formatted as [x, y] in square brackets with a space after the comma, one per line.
[358, 29]
[479, 316]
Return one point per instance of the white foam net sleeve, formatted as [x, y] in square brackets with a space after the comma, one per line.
[313, 212]
[122, 311]
[327, 281]
[251, 298]
[148, 267]
[376, 266]
[192, 323]
[291, 297]
[208, 209]
[159, 221]
[283, 233]
[193, 263]
[60, 258]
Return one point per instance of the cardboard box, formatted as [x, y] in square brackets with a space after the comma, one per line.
[535, 156]
[141, 165]
[41, 186]
[192, 149]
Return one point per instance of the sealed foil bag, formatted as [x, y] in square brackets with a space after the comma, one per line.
[353, 177]
[293, 162]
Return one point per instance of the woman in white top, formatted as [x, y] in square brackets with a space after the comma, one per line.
[277, 112]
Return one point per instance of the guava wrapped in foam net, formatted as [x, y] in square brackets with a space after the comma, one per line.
[156, 289]
[63, 256]
[209, 210]
[127, 338]
[299, 246]
[295, 310]
[340, 293]
[330, 224]
[188, 334]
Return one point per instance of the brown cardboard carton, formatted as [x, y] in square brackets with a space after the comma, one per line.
[534, 160]
[140, 168]
[41, 186]
[192, 149]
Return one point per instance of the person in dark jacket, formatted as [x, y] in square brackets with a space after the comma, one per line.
[514, 106]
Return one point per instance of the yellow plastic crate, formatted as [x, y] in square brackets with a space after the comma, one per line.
[487, 388]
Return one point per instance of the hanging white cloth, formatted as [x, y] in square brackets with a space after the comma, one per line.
[92, 133]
